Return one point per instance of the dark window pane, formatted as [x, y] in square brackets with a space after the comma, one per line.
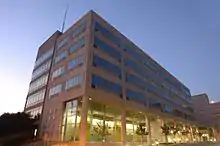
[139, 97]
[99, 62]
[107, 49]
[107, 34]
[102, 83]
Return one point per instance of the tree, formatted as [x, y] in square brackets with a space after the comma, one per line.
[165, 131]
[16, 128]
[102, 129]
[141, 130]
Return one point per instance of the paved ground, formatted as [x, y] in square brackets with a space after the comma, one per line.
[200, 144]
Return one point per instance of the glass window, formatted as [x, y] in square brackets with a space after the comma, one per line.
[35, 98]
[134, 66]
[136, 128]
[154, 103]
[78, 45]
[79, 30]
[42, 81]
[139, 69]
[150, 66]
[130, 50]
[35, 111]
[71, 121]
[107, 33]
[106, 65]
[43, 57]
[136, 96]
[156, 130]
[55, 90]
[167, 109]
[76, 62]
[58, 72]
[74, 81]
[98, 82]
[61, 56]
[62, 43]
[40, 70]
[107, 49]
[130, 78]
[103, 123]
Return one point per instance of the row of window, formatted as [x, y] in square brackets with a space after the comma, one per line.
[62, 43]
[41, 70]
[75, 33]
[152, 67]
[138, 69]
[35, 111]
[179, 86]
[58, 72]
[79, 30]
[43, 57]
[138, 82]
[99, 82]
[55, 90]
[107, 49]
[106, 65]
[130, 78]
[137, 56]
[140, 58]
[133, 95]
[149, 64]
[72, 82]
[76, 62]
[42, 81]
[35, 98]
[107, 33]
[134, 53]
[61, 56]
[78, 45]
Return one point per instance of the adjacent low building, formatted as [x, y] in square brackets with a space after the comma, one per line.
[207, 113]
[92, 85]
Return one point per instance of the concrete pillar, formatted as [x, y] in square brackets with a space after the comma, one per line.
[149, 130]
[163, 136]
[214, 133]
[191, 134]
[123, 125]
[84, 110]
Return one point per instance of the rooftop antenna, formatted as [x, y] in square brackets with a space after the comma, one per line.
[64, 19]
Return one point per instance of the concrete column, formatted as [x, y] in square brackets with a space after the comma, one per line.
[123, 125]
[149, 130]
[163, 136]
[214, 133]
[84, 110]
[191, 134]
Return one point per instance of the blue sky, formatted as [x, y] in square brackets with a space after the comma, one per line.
[183, 36]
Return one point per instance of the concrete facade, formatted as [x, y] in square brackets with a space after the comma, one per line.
[207, 113]
[99, 79]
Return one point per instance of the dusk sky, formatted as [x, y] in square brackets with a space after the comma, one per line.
[182, 35]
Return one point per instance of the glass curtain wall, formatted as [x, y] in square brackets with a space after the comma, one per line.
[156, 131]
[71, 121]
[136, 128]
[103, 123]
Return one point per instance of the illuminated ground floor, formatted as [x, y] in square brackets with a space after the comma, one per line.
[102, 124]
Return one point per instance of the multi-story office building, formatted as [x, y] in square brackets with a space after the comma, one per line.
[38, 85]
[98, 86]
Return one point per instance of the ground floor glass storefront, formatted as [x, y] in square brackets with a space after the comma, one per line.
[104, 124]
[71, 121]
